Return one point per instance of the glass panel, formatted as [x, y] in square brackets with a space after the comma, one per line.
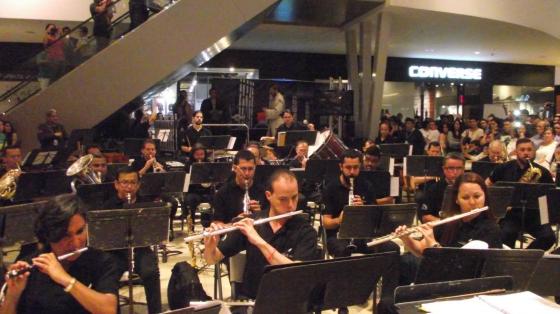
[401, 97]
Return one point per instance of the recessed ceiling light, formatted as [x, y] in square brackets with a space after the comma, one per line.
[429, 50]
[477, 52]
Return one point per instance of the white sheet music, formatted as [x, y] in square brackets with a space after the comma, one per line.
[543, 209]
[394, 186]
[392, 166]
[231, 142]
[404, 167]
[187, 181]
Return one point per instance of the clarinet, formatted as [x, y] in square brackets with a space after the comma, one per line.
[246, 199]
[351, 246]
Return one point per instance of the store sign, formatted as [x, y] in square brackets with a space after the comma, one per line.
[450, 73]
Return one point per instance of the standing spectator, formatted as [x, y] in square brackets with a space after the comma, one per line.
[557, 132]
[182, 108]
[444, 135]
[545, 152]
[141, 124]
[84, 49]
[69, 48]
[454, 137]
[51, 134]
[275, 108]
[55, 52]
[413, 137]
[102, 13]
[138, 13]
[11, 135]
[213, 109]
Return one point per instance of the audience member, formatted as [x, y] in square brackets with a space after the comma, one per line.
[545, 152]
[102, 14]
[51, 134]
[213, 109]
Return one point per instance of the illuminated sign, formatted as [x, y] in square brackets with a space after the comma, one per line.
[451, 73]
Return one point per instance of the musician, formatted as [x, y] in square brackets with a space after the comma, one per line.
[336, 197]
[519, 170]
[274, 110]
[300, 159]
[145, 260]
[255, 148]
[429, 202]
[147, 162]
[372, 158]
[11, 159]
[213, 109]
[93, 149]
[289, 123]
[51, 134]
[470, 193]
[83, 283]
[496, 152]
[434, 149]
[228, 201]
[274, 243]
[99, 166]
[194, 132]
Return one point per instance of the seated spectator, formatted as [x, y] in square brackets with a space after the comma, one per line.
[496, 152]
[540, 126]
[11, 135]
[474, 133]
[545, 152]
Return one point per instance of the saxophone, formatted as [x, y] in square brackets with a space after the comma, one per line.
[532, 175]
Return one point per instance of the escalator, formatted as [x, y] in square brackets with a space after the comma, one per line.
[165, 48]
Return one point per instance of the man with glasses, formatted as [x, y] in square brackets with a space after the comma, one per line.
[127, 185]
[228, 201]
[429, 203]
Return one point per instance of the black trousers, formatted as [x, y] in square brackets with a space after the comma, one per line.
[511, 226]
[138, 13]
[146, 266]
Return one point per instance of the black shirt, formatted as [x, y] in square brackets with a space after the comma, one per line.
[217, 113]
[387, 140]
[42, 295]
[101, 23]
[228, 201]
[139, 129]
[296, 240]
[511, 171]
[139, 163]
[191, 135]
[46, 136]
[481, 228]
[336, 197]
[430, 202]
[415, 139]
[296, 126]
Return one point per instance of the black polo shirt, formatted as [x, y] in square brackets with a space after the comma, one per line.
[228, 201]
[296, 240]
[481, 228]
[93, 268]
[511, 171]
[431, 201]
[336, 197]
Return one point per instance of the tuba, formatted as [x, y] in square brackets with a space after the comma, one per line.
[532, 175]
[82, 173]
[8, 183]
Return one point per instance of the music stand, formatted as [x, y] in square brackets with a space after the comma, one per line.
[322, 284]
[290, 138]
[29, 186]
[16, 224]
[57, 182]
[424, 166]
[40, 158]
[214, 142]
[126, 229]
[445, 264]
[380, 179]
[210, 172]
[133, 146]
[263, 173]
[398, 150]
[94, 195]
[483, 168]
[154, 184]
[499, 199]
[545, 278]
[369, 221]
[322, 171]
[526, 196]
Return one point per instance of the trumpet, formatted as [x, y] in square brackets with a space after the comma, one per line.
[394, 235]
[156, 166]
[205, 234]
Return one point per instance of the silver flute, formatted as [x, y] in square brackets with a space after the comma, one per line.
[15, 273]
[261, 221]
[394, 235]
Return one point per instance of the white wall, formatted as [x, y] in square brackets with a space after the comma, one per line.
[49, 10]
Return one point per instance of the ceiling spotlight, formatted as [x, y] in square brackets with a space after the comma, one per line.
[477, 52]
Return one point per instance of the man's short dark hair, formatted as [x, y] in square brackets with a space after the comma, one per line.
[88, 147]
[276, 175]
[244, 155]
[434, 144]
[409, 120]
[351, 154]
[373, 151]
[287, 111]
[98, 155]
[254, 144]
[126, 170]
[523, 141]
[50, 113]
[84, 29]
[54, 217]
[197, 111]
[453, 156]
[148, 141]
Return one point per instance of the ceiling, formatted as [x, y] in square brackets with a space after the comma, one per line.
[415, 33]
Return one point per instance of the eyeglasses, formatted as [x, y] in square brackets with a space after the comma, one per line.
[125, 182]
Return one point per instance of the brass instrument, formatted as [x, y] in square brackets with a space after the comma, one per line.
[156, 166]
[80, 169]
[205, 234]
[532, 175]
[8, 183]
[394, 235]
[246, 199]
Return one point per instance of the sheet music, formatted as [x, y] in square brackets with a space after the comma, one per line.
[231, 142]
[404, 167]
[40, 158]
[543, 209]
[187, 181]
[394, 187]
[391, 166]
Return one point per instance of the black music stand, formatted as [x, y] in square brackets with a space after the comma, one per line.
[41, 158]
[94, 195]
[154, 184]
[424, 166]
[322, 284]
[263, 172]
[210, 172]
[526, 197]
[126, 229]
[483, 168]
[445, 264]
[56, 182]
[545, 278]
[322, 171]
[398, 150]
[499, 199]
[29, 186]
[384, 163]
[292, 137]
[369, 221]
[379, 179]
[214, 142]
[552, 200]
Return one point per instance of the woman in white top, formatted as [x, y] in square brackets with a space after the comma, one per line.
[545, 152]
[432, 133]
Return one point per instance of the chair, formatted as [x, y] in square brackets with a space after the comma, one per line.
[428, 291]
